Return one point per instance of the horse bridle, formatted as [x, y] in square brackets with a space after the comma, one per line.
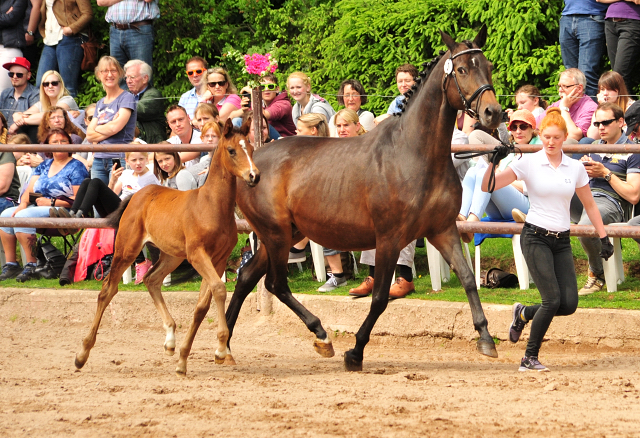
[450, 71]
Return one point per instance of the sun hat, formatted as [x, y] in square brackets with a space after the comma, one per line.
[523, 115]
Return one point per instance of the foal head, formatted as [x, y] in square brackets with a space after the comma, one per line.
[236, 153]
[467, 79]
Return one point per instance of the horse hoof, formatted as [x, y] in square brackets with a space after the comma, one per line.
[229, 360]
[324, 349]
[169, 351]
[79, 364]
[218, 360]
[181, 372]
[487, 348]
[350, 363]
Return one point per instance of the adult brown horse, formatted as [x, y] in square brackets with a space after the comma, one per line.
[380, 190]
[197, 225]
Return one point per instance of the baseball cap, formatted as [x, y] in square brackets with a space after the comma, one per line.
[523, 115]
[632, 117]
[22, 62]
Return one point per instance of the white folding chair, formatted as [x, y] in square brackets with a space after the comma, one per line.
[438, 267]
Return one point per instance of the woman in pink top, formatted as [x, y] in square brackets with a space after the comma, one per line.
[223, 94]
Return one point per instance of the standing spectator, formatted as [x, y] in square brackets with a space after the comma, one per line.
[299, 86]
[61, 27]
[21, 96]
[180, 125]
[405, 79]
[622, 30]
[197, 74]
[582, 39]
[11, 35]
[114, 121]
[615, 185]
[277, 107]
[150, 116]
[131, 31]
[352, 96]
[31, 23]
[577, 108]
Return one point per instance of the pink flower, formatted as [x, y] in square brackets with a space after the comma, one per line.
[258, 64]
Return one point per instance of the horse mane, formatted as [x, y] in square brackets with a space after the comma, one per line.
[423, 77]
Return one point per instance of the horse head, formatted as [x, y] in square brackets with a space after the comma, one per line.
[237, 153]
[467, 79]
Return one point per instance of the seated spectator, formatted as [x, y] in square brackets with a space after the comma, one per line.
[3, 129]
[197, 75]
[313, 124]
[205, 113]
[347, 123]
[150, 118]
[211, 133]
[180, 125]
[57, 181]
[222, 93]
[169, 170]
[577, 108]
[21, 96]
[52, 93]
[528, 97]
[277, 107]
[9, 181]
[56, 118]
[352, 96]
[25, 161]
[611, 88]
[114, 121]
[248, 120]
[299, 86]
[123, 183]
[500, 204]
[405, 79]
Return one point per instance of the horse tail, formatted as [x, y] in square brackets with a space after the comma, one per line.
[113, 220]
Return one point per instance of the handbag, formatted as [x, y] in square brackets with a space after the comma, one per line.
[33, 196]
[50, 260]
[90, 58]
[496, 277]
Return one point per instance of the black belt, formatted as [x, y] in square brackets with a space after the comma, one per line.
[134, 25]
[542, 231]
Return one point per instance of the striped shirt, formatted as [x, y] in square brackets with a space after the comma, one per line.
[130, 11]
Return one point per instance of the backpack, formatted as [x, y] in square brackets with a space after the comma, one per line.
[495, 277]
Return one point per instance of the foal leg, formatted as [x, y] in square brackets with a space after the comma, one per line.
[122, 259]
[448, 243]
[385, 267]
[153, 280]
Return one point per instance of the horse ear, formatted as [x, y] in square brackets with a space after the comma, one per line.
[244, 129]
[481, 38]
[448, 41]
[228, 128]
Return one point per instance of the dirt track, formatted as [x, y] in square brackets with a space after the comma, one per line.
[280, 387]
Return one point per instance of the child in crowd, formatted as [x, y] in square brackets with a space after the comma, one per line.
[211, 133]
[299, 86]
[170, 171]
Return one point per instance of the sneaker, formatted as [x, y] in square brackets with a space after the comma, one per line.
[518, 323]
[594, 284]
[141, 269]
[332, 283]
[531, 363]
[518, 216]
[364, 290]
[401, 288]
[28, 273]
[297, 257]
[10, 271]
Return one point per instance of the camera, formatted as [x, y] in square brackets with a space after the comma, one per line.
[505, 117]
[248, 96]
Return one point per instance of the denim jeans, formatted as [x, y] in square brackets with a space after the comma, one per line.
[592, 245]
[550, 262]
[623, 47]
[497, 205]
[101, 168]
[129, 44]
[65, 58]
[31, 211]
[582, 43]
[6, 203]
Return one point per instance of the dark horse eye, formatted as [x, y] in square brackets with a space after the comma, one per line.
[232, 151]
[462, 70]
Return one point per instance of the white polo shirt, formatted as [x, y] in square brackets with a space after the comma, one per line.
[550, 190]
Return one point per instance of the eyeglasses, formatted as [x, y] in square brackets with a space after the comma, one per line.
[56, 117]
[52, 83]
[218, 83]
[196, 72]
[17, 75]
[604, 123]
[566, 87]
[522, 126]
[126, 78]
[268, 87]
[350, 96]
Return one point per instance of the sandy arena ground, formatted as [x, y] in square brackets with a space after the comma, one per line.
[418, 386]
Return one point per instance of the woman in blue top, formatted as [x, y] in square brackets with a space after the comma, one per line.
[57, 180]
[114, 121]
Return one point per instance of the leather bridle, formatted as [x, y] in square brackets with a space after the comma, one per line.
[450, 71]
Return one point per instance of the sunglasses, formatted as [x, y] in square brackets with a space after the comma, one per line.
[197, 72]
[523, 126]
[604, 123]
[17, 75]
[268, 87]
[218, 83]
[52, 83]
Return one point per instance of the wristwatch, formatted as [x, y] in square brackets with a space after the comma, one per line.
[607, 177]
[30, 32]
[53, 202]
[564, 108]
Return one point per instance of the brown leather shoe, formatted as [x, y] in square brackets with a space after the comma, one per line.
[364, 290]
[401, 288]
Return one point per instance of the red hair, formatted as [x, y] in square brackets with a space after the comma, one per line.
[554, 118]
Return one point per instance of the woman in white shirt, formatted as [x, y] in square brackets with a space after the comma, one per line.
[551, 178]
